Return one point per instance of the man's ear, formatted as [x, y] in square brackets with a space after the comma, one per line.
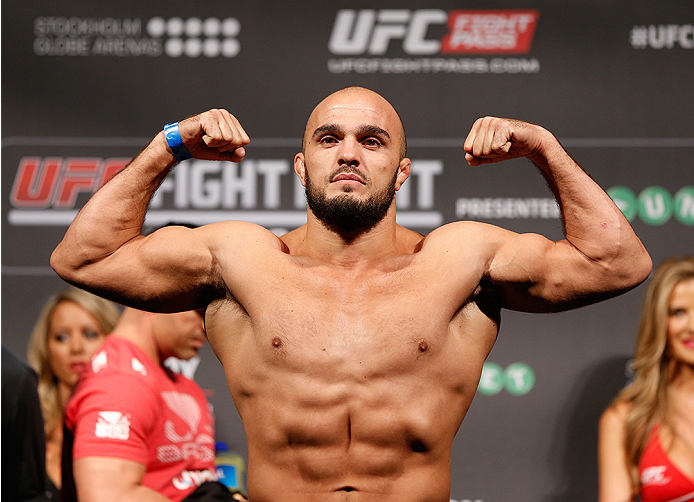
[300, 167]
[403, 172]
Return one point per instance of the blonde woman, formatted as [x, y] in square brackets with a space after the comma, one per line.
[71, 327]
[646, 437]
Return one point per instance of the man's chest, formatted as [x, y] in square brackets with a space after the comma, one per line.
[320, 317]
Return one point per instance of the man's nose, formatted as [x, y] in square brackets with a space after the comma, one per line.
[349, 152]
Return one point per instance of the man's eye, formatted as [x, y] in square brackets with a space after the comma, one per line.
[371, 142]
[328, 139]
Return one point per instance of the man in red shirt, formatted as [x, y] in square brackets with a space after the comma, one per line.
[142, 432]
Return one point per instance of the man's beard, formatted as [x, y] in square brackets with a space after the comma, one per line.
[345, 214]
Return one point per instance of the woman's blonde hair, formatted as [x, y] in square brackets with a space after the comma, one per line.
[647, 394]
[106, 314]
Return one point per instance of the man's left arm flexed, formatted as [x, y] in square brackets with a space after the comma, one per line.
[600, 257]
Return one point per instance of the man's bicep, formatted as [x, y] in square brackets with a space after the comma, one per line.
[180, 265]
[104, 479]
[171, 269]
[535, 274]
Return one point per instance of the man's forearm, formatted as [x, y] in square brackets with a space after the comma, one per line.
[137, 493]
[110, 479]
[593, 223]
[116, 212]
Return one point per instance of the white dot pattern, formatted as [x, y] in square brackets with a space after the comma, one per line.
[194, 37]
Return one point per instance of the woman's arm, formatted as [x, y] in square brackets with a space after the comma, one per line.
[614, 480]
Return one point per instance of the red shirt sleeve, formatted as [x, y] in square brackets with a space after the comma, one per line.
[113, 415]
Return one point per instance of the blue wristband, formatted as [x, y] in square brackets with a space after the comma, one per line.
[173, 139]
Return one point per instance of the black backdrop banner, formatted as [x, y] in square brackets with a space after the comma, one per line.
[85, 85]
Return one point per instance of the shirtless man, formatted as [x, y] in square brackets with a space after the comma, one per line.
[352, 346]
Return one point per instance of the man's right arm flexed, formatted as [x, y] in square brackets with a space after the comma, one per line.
[173, 268]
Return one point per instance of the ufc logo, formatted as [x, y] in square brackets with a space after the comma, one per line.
[56, 181]
[370, 31]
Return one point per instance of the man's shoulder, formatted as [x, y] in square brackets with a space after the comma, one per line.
[226, 235]
[235, 228]
[468, 226]
[468, 232]
[119, 356]
[117, 374]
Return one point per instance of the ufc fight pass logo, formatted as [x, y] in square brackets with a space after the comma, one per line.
[373, 32]
[432, 41]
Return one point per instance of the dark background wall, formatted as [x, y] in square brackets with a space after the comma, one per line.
[86, 84]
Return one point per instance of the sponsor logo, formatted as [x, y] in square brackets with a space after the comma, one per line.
[662, 36]
[518, 379]
[184, 443]
[56, 181]
[189, 479]
[174, 37]
[99, 362]
[187, 409]
[369, 33]
[654, 476]
[655, 205]
[490, 32]
[201, 448]
[137, 366]
[112, 425]
[49, 190]
[194, 37]
[507, 208]
[186, 368]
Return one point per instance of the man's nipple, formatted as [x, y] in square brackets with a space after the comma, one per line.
[277, 342]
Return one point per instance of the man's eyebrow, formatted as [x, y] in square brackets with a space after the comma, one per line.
[328, 128]
[363, 130]
[372, 130]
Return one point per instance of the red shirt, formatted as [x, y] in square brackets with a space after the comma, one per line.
[126, 406]
[661, 480]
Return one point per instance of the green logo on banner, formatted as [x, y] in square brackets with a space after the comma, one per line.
[625, 200]
[520, 379]
[655, 205]
[684, 205]
[492, 379]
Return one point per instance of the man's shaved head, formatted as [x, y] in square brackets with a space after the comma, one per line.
[356, 95]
